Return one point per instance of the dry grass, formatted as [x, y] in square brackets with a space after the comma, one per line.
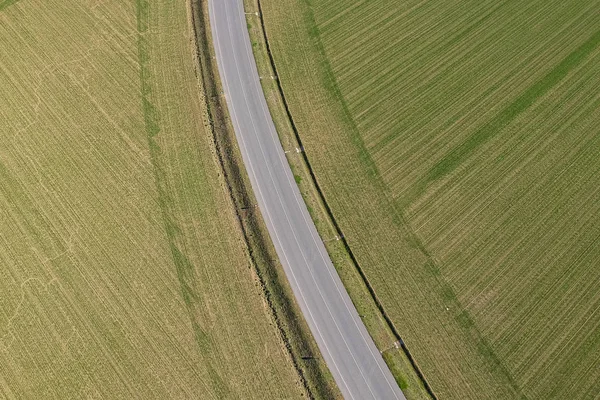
[456, 143]
[123, 274]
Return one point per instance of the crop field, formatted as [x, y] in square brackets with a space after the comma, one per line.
[457, 145]
[123, 273]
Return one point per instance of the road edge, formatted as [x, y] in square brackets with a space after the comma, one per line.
[339, 236]
[304, 355]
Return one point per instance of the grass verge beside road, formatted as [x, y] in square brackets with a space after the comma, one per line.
[124, 270]
[296, 335]
[386, 340]
[455, 144]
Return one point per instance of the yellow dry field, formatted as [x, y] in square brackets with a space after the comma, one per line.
[457, 145]
[122, 272]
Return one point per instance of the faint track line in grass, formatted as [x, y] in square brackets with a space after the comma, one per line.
[327, 208]
[453, 40]
[463, 151]
[278, 303]
[184, 268]
[331, 85]
[464, 319]
[542, 27]
[9, 324]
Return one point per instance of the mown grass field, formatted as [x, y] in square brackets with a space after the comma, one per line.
[123, 273]
[457, 144]
[380, 331]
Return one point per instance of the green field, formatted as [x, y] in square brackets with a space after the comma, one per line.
[457, 145]
[123, 273]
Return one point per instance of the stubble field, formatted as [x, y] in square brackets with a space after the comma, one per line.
[123, 274]
[457, 145]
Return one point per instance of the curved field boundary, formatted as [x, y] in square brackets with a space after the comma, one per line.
[332, 219]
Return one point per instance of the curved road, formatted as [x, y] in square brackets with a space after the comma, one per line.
[349, 351]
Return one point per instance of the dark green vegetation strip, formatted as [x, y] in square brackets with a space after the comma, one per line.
[491, 372]
[7, 3]
[464, 319]
[295, 335]
[185, 269]
[471, 269]
[330, 83]
[333, 87]
[511, 111]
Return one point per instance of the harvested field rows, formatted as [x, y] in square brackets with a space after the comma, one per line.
[457, 145]
[123, 273]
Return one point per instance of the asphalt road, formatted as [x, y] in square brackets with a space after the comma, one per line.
[348, 350]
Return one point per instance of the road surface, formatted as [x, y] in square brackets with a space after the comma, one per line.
[348, 350]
